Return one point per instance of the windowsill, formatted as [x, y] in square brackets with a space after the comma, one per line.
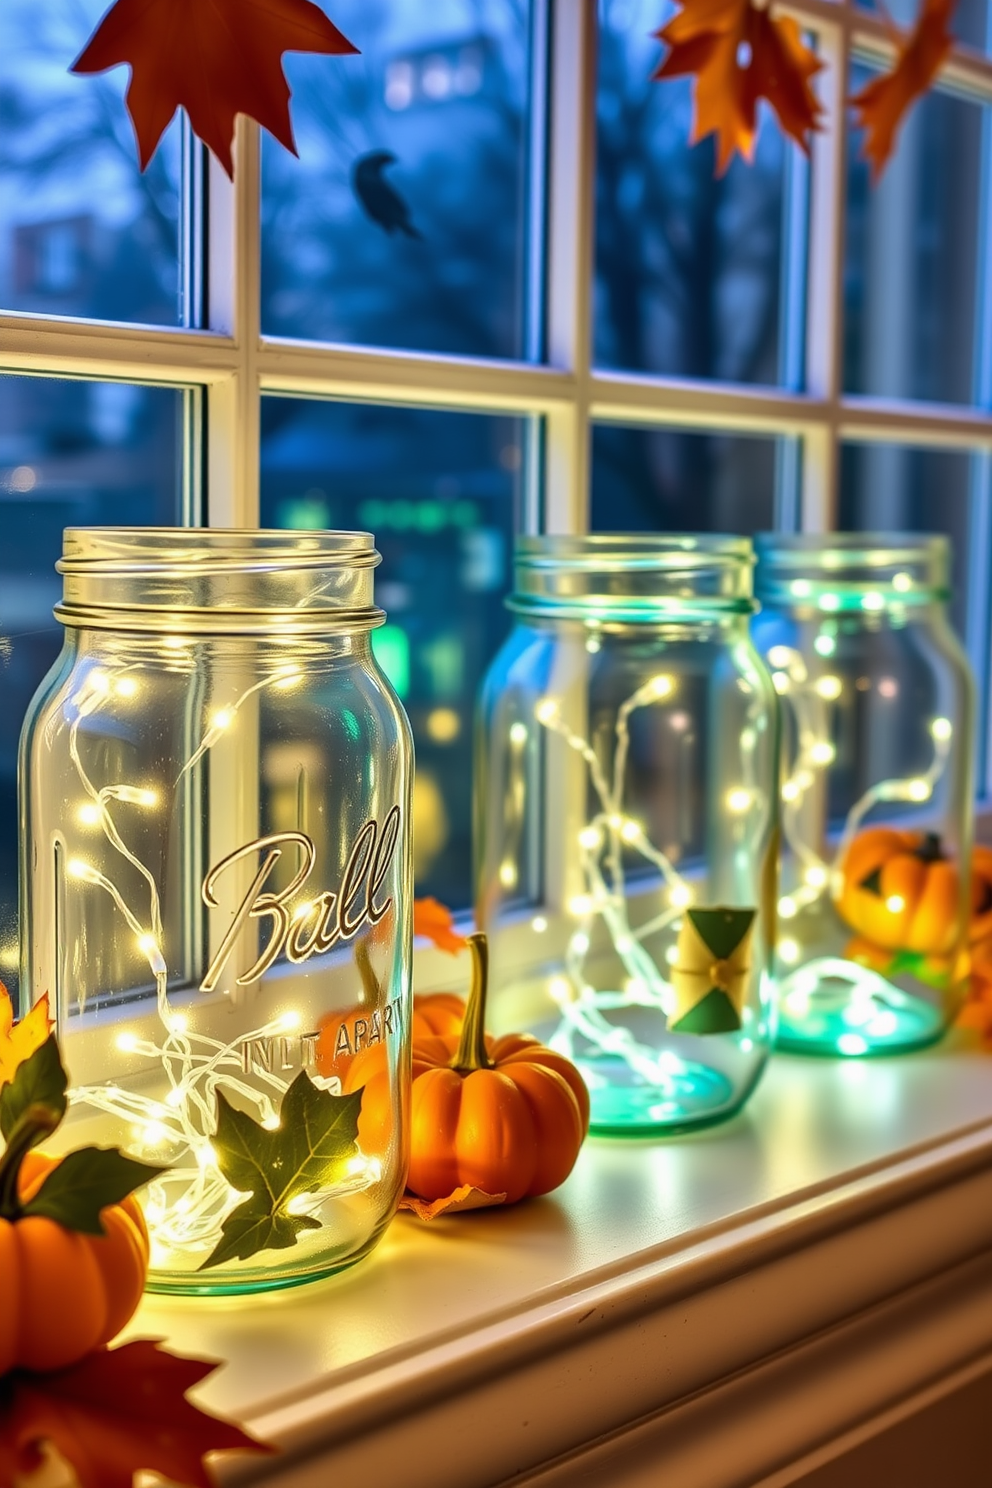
[851, 1197]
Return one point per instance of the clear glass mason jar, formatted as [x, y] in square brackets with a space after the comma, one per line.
[216, 889]
[626, 823]
[878, 716]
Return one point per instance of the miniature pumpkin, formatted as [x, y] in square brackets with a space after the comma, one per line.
[981, 894]
[900, 891]
[64, 1293]
[504, 1115]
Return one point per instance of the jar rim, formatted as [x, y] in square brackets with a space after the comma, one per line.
[840, 570]
[660, 550]
[127, 550]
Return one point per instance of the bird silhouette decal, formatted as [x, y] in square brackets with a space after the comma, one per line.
[379, 200]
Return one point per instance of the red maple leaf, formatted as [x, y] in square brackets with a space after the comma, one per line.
[738, 53]
[883, 102]
[214, 58]
[117, 1412]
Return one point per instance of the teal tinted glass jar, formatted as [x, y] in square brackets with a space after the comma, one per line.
[626, 823]
[876, 788]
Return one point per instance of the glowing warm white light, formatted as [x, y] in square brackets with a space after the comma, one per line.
[289, 1021]
[852, 1043]
[175, 1097]
[175, 643]
[518, 733]
[125, 687]
[99, 682]
[148, 944]
[287, 678]
[895, 904]
[942, 729]
[152, 1133]
[508, 874]
[590, 838]
[738, 800]
[634, 987]
[271, 1121]
[79, 868]
[560, 990]
[823, 753]
[580, 905]
[829, 687]
[222, 719]
[824, 645]
[178, 1023]
[901, 582]
[546, 711]
[873, 601]
[680, 895]
[801, 588]
[302, 910]
[816, 877]
[829, 601]
[206, 1155]
[661, 687]
[631, 831]
[780, 656]
[593, 644]
[126, 1042]
[580, 944]
[788, 951]
[443, 725]
[787, 908]
[791, 791]
[918, 790]
[780, 681]
[89, 814]
[539, 924]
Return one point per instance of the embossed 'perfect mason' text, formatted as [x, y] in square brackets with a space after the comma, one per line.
[326, 919]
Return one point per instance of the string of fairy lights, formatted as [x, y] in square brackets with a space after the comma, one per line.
[186, 1206]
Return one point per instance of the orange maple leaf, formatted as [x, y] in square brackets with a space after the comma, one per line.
[458, 1202]
[738, 53]
[883, 102]
[18, 1041]
[215, 58]
[116, 1412]
[432, 920]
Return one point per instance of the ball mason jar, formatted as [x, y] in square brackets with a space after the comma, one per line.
[876, 788]
[626, 823]
[216, 890]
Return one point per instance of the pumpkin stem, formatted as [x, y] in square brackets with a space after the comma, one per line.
[472, 1053]
[32, 1126]
[930, 849]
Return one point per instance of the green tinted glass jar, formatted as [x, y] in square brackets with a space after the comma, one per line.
[876, 788]
[626, 821]
[215, 782]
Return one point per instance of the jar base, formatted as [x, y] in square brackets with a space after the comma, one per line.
[848, 1029]
[696, 1095]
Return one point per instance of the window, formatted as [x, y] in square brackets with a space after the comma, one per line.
[553, 318]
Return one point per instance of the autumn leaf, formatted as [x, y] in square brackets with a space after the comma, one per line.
[882, 103]
[461, 1199]
[115, 1413]
[309, 1149]
[433, 921]
[19, 1040]
[738, 53]
[215, 58]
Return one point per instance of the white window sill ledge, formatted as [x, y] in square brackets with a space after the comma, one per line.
[722, 1309]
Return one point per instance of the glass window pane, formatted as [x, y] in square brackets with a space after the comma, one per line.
[911, 269]
[968, 21]
[664, 480]
[439, 491]
[692, 271]
[82, 231]
[889, 487]
[72, 454]
[403, 223]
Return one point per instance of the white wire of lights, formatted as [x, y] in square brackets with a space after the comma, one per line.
[601, 844]
[186, 1206]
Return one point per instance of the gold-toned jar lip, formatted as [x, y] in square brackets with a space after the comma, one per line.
[200, 581]
[872, 571]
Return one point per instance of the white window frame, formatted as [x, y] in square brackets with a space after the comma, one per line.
[235, 364]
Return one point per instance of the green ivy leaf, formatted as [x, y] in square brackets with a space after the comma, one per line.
[84, 1183]
[39, 1081]
[309, 1150]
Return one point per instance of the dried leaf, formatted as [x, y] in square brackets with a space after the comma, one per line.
[738, 53]
[882, 103]
[435, 922]
[117, 1412]
[463, 1198]
[309, 1149]
[215, 58]
[19, 1040]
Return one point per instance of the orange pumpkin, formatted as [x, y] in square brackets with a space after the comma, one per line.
[981, 894]
[505, 1115]
[900, 891]
[64, 1293]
